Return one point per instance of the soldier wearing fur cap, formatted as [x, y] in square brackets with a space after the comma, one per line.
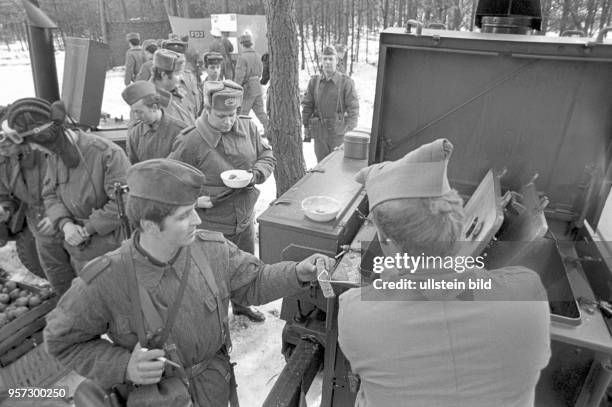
[171, 265]
[22, 171]
[443, 347]
[154, 132]
[220, 141]
[167, 73]
[78, 185]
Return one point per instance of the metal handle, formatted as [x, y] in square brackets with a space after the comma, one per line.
[414, 23]
[602, 34]
[569, 33]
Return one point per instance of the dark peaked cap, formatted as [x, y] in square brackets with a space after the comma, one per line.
[166, 181]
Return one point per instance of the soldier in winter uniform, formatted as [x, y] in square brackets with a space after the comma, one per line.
[22, 171]
[212, 65]
[189, 81]
[249, 69]
[222, 45]
[167, 258]
[167, 70]
[134, 58]
[222, 141]
[153, 135]
[78, 186]
[146, 70]
[330, 106]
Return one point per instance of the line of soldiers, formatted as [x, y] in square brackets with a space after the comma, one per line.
[175, 68]
[67, 177]
[170, 201]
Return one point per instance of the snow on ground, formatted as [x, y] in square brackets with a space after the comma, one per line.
[256, 347]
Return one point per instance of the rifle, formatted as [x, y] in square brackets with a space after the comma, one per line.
[119, 191]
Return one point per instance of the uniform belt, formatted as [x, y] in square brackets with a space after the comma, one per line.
[199, 368]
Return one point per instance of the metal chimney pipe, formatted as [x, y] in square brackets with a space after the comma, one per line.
[42, 54]
[509, 16]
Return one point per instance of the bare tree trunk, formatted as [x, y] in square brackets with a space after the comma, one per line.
[314, 36]
[473, 14]
[592, 7]
[352, 36]
[385, 13]
[301, 27]
[285, 122]
[359, 23]
[124, 10]
[605, 9]
[367, 37]
[103, 21]
[349, 23]
[564, 15]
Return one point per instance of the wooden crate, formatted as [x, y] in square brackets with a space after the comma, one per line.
[25, 332]
[34, 368]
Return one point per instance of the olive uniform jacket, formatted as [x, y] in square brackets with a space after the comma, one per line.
[21, 181]
[177, 105]
[147, 141]
[134, 58]
[213, 152]
[146, 71]
[249, 69]
[98, 302]
[339, 88]
[85, 194]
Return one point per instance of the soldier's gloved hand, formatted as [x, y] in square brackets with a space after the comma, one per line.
[72, 234]
[45, 226]
[5, 214]
[143, 367]
[307, 270]
[204, 202]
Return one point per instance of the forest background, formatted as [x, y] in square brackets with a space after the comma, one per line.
[318, 21]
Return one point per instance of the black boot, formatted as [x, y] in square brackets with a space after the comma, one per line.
[250, 312]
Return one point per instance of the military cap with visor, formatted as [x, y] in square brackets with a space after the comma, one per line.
[175, 45]
[419, 174]
[138, 90]
[212, 57]
[132, 36]
[165, 181]
[168, 60]
[224, 96]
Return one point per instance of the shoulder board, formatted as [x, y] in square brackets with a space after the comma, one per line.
[94, 268]
[187, 129]
[244, 116]
[210, 236]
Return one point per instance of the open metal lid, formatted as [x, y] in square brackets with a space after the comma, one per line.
[527, 104]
